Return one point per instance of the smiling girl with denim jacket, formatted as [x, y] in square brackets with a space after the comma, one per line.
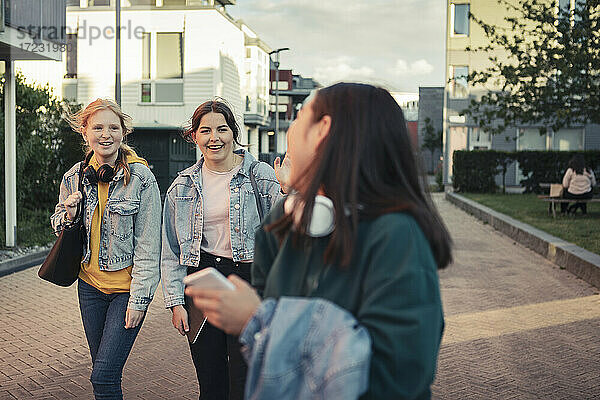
[209, 219]
[375, 252]
[119, 270]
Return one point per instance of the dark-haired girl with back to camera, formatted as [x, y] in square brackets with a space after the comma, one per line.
[375, 252]
[578, 183]
[121, 212]
[209, 219]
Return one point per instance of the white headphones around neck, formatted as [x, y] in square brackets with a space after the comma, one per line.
[322, 221]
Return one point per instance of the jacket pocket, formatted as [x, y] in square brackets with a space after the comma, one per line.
[122, 213]
[184, 218]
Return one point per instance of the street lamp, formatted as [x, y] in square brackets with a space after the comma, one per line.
[118, 52]
[276, 63]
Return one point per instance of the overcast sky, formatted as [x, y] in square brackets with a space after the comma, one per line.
[395, 43]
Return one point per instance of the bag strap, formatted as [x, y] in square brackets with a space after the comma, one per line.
[259, 206]
[79, 212]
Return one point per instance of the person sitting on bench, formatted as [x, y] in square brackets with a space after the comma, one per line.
[578, 183]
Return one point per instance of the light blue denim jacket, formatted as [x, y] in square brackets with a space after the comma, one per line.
[183, 220]
[130, 228]
[299, 348]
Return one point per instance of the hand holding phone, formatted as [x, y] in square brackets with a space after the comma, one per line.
[208, 278]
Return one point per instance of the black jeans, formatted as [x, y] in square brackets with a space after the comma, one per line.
[568, 195]
[220, 367]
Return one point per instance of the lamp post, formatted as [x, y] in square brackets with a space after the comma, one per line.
[276, 63]
[118, 52]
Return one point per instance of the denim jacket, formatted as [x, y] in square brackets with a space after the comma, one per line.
[183, 220]
[130, 228]
[298, 348]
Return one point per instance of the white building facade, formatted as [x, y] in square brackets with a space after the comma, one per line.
[175, 54]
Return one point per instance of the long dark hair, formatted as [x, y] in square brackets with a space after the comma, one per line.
[216, 106]
[366, 166]
[577, 164]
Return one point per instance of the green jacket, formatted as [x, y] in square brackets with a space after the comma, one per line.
[391, 287]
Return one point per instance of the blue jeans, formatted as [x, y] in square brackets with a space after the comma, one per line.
[103, 317]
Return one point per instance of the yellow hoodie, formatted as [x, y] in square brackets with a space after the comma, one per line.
[106, 281]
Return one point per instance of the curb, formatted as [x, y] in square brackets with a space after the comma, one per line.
[580, 262]
[23, 262]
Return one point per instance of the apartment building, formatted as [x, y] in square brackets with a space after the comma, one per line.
[293, 89]
[175, 54]
[462, 133]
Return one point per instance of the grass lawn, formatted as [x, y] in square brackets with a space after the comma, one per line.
[584, 231]
[33, 228]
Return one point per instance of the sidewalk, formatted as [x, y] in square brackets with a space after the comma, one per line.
[517, 327]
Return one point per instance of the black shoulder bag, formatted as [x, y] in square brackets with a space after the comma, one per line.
[259, 205]
[62, 264]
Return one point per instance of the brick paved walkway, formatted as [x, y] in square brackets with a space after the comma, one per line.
[517, 327]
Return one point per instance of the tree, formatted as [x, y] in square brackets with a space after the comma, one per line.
[46, 146]
[432, 139]
[551, 74]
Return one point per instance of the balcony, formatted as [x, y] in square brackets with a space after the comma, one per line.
[32, 29]
[44, 19]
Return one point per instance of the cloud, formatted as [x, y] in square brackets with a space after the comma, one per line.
[361, 40]
[339, 69]
[419, 67]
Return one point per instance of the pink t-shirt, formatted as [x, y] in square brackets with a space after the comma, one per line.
[216, 232]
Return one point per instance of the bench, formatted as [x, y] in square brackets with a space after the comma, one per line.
[554, 200]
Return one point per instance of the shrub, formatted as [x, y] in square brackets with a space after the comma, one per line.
[476, 171]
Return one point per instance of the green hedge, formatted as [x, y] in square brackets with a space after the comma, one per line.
[476, 171]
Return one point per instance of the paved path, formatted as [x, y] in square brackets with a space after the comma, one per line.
[516, 327]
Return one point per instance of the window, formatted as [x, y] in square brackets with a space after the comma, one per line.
[479, 139]
[162, 68]
[174, 2]
[71, 55]
[459, 88]
[146, 55]
[169, 55]
[99, 3]
[146, 92]
[460, 19]
[568, 139]
[283, 85]
[248, 52]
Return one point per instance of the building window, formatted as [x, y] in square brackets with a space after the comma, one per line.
[283, 85]
[162, 68]
[71, 55]
[173, 2]
[248, 52]
[99, 3]
[146, 55]
[568, 139]
[459, 88]
[146, 92]
[169, 55]
[479, 139]
[460, 19]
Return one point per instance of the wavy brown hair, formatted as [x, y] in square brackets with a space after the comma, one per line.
[367, 167]
[79, 122]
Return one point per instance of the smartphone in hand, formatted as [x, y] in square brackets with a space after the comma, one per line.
[208, 278]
